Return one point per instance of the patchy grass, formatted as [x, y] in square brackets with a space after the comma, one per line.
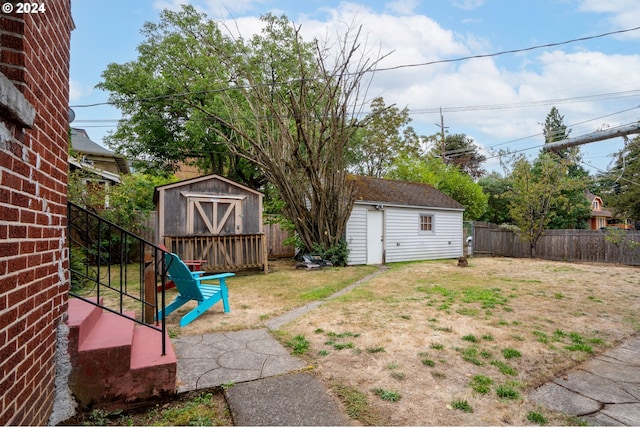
[388, 395]
[519, 319]
[195, 408]
[528, 305]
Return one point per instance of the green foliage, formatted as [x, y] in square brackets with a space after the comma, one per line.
[470, 355]
[201, 411]
[504, 368]
[571, 207]
[537, 418]
[462, 405]
[381, 139]
[505, 391]
[481, 384]
[197, 92]
[338, 253]
[510, 353]
[461, 152]
[470, 338]
[446, 178]
[534, 187]
[129, 202]
[298, 344]
[619, 188]
[356, 404]
[496, 188]
[428, 362]
[388, 395]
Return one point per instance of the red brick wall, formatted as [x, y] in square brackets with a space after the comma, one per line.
[34, 279]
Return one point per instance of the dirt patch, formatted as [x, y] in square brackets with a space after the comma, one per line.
[425, 330]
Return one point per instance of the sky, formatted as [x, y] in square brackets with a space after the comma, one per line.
[499, 99]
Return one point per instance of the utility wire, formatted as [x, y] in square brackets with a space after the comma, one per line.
[421, 64]
[504, 52]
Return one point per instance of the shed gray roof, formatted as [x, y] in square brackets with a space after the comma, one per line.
[388, 191]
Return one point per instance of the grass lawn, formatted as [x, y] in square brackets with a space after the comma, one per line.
[433, 343]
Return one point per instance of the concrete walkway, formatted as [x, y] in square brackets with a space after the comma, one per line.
[603, 391]
[268, 386]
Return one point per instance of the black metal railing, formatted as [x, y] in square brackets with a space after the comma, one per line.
[114, 269]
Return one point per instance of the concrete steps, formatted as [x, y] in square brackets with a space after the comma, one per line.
[116, 362]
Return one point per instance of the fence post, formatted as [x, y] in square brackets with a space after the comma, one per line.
[149, 290]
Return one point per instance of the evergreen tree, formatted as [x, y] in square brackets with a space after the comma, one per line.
[570, 206]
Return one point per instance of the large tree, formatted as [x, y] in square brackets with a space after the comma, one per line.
[287, 105]
[621, 184]
[384, 136]
[534, 187]
[496, 187]
[461, 151]
[446, 178]
[158, 94]
[570, 206]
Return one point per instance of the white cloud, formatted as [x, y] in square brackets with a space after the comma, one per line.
[537, 76]
[402, 7]
[78, 90]
[468, 4]
[623, 14]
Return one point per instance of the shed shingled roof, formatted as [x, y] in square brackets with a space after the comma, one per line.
[379, 190]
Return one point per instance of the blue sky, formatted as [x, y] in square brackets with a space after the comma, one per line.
[499, 101]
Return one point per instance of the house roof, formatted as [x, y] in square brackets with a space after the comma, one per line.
[81, 143]
[601, 212]
[404, 193]
[198, 179]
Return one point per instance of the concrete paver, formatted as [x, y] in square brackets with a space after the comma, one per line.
[604, 390]
[289, 400]
[206, 361]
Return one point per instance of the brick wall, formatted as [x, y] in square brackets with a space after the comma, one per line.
[34, 280]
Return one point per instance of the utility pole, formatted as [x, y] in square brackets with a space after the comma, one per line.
[442, 136]
[593, 137]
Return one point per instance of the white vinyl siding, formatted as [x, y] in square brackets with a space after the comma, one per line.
[357, 235]
[406, 242]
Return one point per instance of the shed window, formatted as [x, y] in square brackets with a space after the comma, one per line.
[426, 222]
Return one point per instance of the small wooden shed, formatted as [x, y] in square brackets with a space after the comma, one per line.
[213, 219]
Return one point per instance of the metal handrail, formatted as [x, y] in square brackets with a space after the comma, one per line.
[104, 257]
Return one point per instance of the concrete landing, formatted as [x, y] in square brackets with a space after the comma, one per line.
[206, 361]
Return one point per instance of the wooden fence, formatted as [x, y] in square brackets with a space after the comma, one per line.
[276, 235]
[558, 245]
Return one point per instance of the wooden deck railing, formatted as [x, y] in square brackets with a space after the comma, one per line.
[222, 253]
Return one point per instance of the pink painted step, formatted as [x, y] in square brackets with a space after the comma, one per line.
[81, 319]
[114, 360]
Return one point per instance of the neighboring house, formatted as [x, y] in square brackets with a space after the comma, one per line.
[34, 258]
[599, 215]
[394, 221]
[214, 219]
[102, 168]
[96, 159]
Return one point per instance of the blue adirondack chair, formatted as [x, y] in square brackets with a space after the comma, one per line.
[190, 288]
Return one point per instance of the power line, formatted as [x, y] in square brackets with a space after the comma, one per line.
[505, 52]
[420, 64]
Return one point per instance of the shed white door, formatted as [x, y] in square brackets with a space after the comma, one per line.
[375, 237]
